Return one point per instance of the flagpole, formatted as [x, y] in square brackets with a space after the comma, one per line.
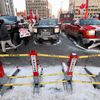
[86, 13]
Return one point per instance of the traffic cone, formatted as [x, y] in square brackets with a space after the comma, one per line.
[2, 73]
[3, 77]
[3, 80]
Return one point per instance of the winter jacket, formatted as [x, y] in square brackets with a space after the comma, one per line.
[4, 35]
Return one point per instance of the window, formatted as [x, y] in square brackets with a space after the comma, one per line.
[95, 9]
[92, 9]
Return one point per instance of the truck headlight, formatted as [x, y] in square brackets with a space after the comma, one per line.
[91, 32]
[35, 30]
[56, 30]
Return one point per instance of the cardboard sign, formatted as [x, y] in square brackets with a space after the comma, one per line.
[24, 32]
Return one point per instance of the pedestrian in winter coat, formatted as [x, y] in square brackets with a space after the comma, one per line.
[16, 33]
[4, 37]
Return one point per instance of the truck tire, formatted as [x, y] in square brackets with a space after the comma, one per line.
[80, 40]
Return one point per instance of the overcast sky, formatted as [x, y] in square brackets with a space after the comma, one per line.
[56, 5]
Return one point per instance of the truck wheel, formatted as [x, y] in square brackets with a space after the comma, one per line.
[40, 41]
[80, 40]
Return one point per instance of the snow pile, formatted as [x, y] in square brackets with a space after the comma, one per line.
[52, 91]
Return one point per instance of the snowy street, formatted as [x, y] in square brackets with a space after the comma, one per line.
[54, 91]
[51, 91]
[49, 49]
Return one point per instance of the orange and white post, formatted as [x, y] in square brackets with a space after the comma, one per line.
[72, 63]
[68, 70]
[34, 62]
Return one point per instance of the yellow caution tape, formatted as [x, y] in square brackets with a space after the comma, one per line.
[52, 82]
[46, 75]
[11, 84]
[80, 74]
[85, 82]
[14, 55]
[47, 55]
[82, 57]
[61, 73]
[64, 81]
[53, 56]
[89, 56]
[25, 55]
[53, 74]
[12, 77]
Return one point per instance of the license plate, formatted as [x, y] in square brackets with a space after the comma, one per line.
[45, 33]
[45, 38]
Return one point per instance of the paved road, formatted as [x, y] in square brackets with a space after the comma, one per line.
[64, 47]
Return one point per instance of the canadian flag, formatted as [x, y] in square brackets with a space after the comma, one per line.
[31, 15]
[82, 6]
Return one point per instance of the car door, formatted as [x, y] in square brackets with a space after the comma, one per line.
[74, 28]
[71, 28]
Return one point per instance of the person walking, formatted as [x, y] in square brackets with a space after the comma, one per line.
[16, 33]
[4, 37]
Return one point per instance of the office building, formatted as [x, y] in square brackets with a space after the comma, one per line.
[39, 7]
[93, 7]
[6, 7]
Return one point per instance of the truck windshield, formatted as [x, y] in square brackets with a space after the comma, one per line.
[48, 22]
[89, 22]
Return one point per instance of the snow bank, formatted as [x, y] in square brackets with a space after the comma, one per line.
[52, 91]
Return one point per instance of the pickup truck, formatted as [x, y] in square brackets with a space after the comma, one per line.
[84, 31]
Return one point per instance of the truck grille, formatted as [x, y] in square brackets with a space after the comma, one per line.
[97, 33]
[46, 31]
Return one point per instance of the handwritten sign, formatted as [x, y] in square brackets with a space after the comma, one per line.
[24, 32]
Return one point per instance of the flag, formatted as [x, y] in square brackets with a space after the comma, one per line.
[31, 15]
[82, 6]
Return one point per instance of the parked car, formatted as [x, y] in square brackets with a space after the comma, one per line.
[65, 24]
[85, 31]
[14, 18]
[47, 30]
[10, 18]
[9, 24]
[65, 18]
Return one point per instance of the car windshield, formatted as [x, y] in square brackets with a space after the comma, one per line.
[67, 21]
[6, 21]
[10, 18]
[48, 22]
[89, 22]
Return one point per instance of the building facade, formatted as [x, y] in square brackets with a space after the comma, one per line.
[39, 7]
[6, 7]
[93, 8]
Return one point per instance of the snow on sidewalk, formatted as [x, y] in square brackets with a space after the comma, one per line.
[52, 91]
